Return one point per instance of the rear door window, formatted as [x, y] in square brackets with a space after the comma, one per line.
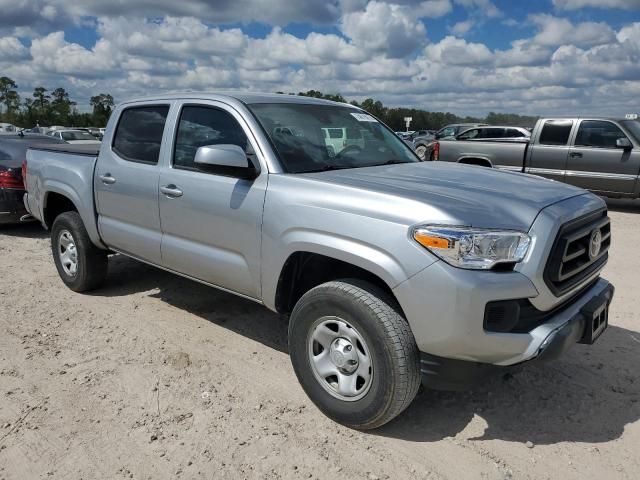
[139, 132]
[469, 134]
[556, 132]
[598, 134]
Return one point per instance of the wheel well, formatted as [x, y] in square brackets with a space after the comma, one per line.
[55, 205]
[475, 161]
[303, 271]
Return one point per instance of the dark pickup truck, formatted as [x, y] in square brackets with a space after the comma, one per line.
[598, 154]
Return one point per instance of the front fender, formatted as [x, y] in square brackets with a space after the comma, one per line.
[383, 264]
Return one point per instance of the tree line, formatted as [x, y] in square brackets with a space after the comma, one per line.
[54, 107]
[50, 107]
[423, 119]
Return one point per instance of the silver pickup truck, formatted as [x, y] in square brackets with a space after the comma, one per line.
[599, 154]
[391, 270]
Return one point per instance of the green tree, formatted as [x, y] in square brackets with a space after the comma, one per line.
[7, 92]
[102, 107]
[42, 104]
[61, 106]
[375, 108]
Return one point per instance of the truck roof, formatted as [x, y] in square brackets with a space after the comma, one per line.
[584, 117]
[244, 97]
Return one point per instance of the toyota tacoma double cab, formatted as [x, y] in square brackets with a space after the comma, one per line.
[392, 271]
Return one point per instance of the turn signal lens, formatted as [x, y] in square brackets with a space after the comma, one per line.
[430, 241]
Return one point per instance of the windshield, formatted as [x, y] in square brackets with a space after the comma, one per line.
[77, 136]
[634, 127]
[312, 138]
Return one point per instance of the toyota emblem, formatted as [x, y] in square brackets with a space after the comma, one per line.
[595, 244]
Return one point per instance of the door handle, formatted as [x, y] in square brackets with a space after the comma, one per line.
[575, 155]
[107, 179]
[171, 191]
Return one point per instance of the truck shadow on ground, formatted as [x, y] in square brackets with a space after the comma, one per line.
[589, 395]
[250, 319]
[24, 230]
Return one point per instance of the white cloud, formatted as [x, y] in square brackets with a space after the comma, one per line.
[560, 31]
[376, 49]
[456, 51]
[577, 4]
[484, 7]
[12, 49]
[460, 29]
[384, 27]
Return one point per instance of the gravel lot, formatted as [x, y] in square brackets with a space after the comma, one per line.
[155, 376]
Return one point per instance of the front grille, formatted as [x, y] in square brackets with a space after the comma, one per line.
[572, 258]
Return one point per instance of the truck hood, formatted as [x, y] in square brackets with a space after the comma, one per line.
[458, 194]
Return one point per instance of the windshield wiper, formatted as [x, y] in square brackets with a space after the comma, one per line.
[327, 168]
[388, 162]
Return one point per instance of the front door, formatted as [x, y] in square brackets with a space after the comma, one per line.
[595, 163]
[211, 222]
[126, 183]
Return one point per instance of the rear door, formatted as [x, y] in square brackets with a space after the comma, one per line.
[548, 156]
[595, 163]
[211, 222]
[126, 182]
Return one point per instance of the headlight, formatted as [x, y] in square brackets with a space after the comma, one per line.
[471, 247]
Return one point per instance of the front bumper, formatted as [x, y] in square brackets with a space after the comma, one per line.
[450, 374]
[11, 205]
[445, 308]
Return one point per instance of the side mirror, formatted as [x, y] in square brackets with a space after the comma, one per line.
[624, 143]
[225, 158]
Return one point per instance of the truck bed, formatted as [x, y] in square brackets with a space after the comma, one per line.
[508, 155]
[66, 170]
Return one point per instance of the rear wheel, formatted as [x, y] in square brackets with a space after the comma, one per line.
[353, 353]
[421, 151]
[81, 265]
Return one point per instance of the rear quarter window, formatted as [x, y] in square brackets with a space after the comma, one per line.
[138, 136]
[556, 132]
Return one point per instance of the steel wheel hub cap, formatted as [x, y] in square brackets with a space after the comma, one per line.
[339, 358]
[68, 253]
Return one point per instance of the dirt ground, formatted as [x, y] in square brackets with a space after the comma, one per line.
[154, 376]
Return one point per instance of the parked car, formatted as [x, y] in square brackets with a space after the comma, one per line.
[425, 146]
[13, 150]
[339, 139]
[8, 128]
[495, 132]
[390, 269]
[75, 136]
[599, 154]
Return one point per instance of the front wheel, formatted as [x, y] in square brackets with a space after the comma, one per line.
[353, 353]
[81, 265]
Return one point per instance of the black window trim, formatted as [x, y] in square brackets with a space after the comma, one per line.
[221, 173]
[574, 145]
[115, 132]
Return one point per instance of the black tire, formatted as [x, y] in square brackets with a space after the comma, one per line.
[91, 261]
[393, 351]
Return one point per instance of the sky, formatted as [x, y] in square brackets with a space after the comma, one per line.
[469, 57]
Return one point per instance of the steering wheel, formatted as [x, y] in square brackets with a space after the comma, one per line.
[350, 149]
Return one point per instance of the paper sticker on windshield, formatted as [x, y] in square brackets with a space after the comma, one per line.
[363, 117]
